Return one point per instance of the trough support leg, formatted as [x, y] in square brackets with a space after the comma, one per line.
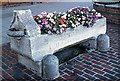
[103, 43]
[90, 44]
[50, 67]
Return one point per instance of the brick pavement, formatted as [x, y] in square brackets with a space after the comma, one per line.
[89, 66]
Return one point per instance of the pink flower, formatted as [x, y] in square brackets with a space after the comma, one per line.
[50, 27]
[47, 25]
[75, 11]
[44, 20]
[54, 29]
[49, 32]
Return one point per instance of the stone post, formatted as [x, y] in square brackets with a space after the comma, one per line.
[103, 43]
[50, 67]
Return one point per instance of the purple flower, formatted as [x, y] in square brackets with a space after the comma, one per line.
[40, 25]
[86, 9]
[96, 18]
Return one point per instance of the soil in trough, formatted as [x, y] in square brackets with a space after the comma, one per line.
[69, 53]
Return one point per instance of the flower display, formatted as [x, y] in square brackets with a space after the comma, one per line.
[56, 23]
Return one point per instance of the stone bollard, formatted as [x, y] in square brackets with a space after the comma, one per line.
[103, 43]
[50, 67]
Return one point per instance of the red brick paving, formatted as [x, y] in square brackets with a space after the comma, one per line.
[90, 66]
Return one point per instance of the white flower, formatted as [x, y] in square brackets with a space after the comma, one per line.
[68, 15]
[61, 30]
[83, 18]
[99, 15]
[73, 25]
[57, 32]
[79, 19]
[39, 21]
[50, 15]
[44, 13]
[40, 16]
[86, 21]
[54, 17]
[75, 7]
[83, 22]
[81, 12]
[63, 25]
[52, 20]
[77, 23]
[64, 16]
[74, 17]
[59, 12]
[54, 12]
[70, 10]
[83, 7]
[93, 10]
[71, 21]
[60, 26]
[64, 12]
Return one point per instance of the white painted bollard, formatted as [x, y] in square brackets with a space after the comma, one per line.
[103, 43]
[50, 67]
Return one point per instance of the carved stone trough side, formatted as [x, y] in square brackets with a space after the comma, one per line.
[26, 39]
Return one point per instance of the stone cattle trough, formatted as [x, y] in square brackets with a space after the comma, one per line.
[36, 49]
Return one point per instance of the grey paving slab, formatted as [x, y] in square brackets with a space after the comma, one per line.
[6, 22]
[4, 40]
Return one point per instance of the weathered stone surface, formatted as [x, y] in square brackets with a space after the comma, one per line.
[36, 46]
[50, 67]
[15, 33]
[30, 64]
[90, 43]
[40, 45]
[103, 42]
[23, 20]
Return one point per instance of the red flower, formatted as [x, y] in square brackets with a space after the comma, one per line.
[65, 29]
[35, 17]
[64, 20]
[61, 21]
